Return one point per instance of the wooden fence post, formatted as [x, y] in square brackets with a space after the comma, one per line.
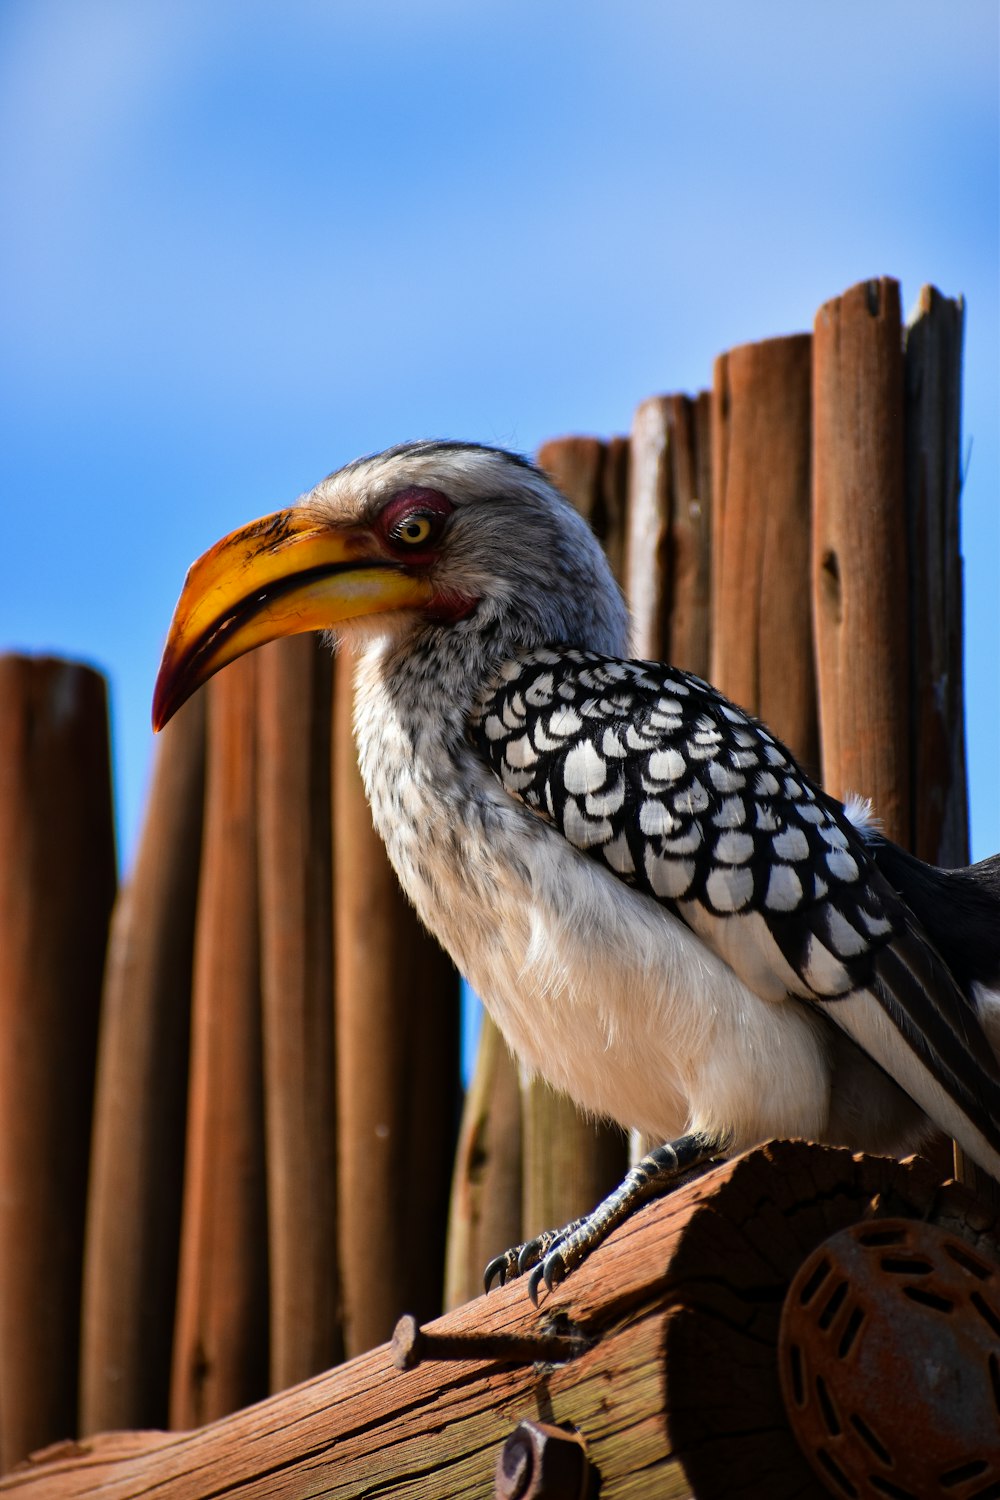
[762, 635]
[137, 1158]
[220, 1347]
[294, 683]
[57, 885]
[859, 564]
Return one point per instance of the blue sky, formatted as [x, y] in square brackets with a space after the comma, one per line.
[244, 242]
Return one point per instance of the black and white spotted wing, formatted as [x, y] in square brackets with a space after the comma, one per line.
[685, 797]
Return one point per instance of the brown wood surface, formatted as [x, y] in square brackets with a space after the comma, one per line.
[57, 885]
[294, 688]
[137, 1157]
[933, 369]
[485, 1214]
[859, 565]
[647, 560]
[220, 1350]
[689, 605]
[666, 1368]
[397, 1070]
[762, 635]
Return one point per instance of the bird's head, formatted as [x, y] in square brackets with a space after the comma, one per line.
[425, 537]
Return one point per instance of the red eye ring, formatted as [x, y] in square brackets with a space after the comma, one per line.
[412, 521]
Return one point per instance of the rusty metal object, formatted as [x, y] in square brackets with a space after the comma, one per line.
[411, 1344]
[540, 1462]
[889, 1352]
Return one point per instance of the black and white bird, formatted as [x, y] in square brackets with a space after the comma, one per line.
[665, 917]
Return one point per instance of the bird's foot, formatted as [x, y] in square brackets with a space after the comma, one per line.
[551, 1255]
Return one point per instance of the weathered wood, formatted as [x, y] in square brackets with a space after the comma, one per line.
[294, 689]
[762, 634]
[859, 560]
[220, 1349]
[57, 885]
[594, 475]
[689, 601]
[647, 541]
[397, 1069]
[933, 369]
[660, 1352]
[137, 1158]
[485, 1213]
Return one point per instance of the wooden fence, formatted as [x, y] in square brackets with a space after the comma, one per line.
[275, 1120]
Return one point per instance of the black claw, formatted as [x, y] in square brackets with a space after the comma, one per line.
[554, 1268]
[535, 1281]
[495, 1271]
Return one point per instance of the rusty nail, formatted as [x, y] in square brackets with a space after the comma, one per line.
[411, 1344]
[541, 1462]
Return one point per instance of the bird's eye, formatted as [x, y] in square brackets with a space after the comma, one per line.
[413, 530]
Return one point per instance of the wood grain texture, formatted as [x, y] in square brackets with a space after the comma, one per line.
[859, 557]
[668, 1370]
[57, 885]
[933, 372]
[294, 692]
[220, 1349]
[762, 633]
[137, 1157]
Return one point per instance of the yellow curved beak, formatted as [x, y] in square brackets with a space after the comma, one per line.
[278, 576]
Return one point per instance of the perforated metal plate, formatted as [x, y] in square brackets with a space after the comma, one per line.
[889, 1352]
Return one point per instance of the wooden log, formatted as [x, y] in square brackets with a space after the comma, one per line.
[220, 1351]
[137, 1158]
[762, 635]
[294, 686]
[486, 1192]
[933, 372]
[57, 885]
[659, 1352]
[859, 562]
[396, 1041]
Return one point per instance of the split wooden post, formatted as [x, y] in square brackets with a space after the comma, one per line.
[220, 1348]
[294, 682]
[57, 885]
[933, 374]
[137, 1158]
[859, 555]
[397, 1069]
[667, 562]
[762, 634]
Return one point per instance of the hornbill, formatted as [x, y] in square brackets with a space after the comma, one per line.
[666, 917]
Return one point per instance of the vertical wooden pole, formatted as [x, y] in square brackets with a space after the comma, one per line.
[293, 799]
[220, 1348]
[762, 634]
[137, 1160]
[647, 559]
[57, 885]
[485, 1213]
[859, 562]
[933, 368]
[397, 1070]
[688, 604]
